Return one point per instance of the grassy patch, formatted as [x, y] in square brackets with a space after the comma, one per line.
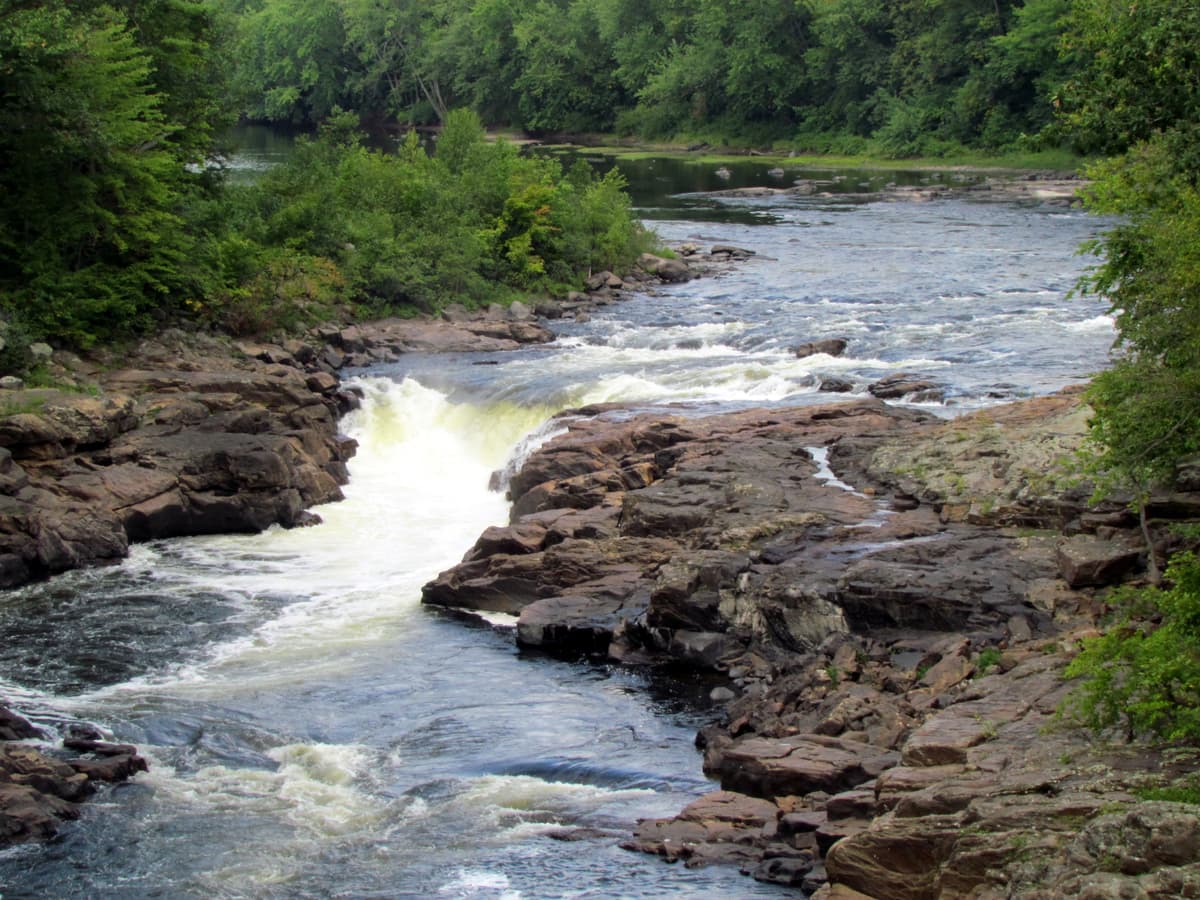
[1054, 160]
[1186, 790]
[19, 402]
[988, 657]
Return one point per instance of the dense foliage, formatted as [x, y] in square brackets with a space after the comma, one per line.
[1143, 674]
[408, 232]
[1138, 97]
[915, 75]
[113, 219]
[94, 155]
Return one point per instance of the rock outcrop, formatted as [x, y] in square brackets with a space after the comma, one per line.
[38, 792]
[891, 599]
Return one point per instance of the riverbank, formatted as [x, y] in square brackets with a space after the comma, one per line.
[1062, 162]
[190, 434]
[885, 603]
[845, 577]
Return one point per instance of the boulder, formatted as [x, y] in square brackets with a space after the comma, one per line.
[906, 385]
[723, 826]
[827, 346]
[670, 270]
[570, 626]
[1084, 560]
[15, 728]
[800, 764]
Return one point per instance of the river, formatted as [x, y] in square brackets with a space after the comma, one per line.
[313, 731]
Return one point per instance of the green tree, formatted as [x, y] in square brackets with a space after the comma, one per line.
[1147, 405]
[1139, 96]
[1139, 76]
[293, 62]
[395, 74]
[567, 80]
[738, 68]
[92, 176]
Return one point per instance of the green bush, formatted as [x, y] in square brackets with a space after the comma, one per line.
[1143, 673]
[403, 232]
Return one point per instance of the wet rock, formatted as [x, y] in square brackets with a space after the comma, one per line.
[835, 386]
[36, 794]
[109, 767]
[721, 827]
[828, 346]
[670, 270]
[571, 626]
[786, 871]
[15, 728]
[731, 251]
[906, 385]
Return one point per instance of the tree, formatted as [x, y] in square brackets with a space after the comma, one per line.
[567, 82]
[1139, 96]
[292, 60]
[390, 42]
[1147, 405]
[1139, 76]
[91, 172]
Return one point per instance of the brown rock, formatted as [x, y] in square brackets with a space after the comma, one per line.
[1085, 560]
[904, 384]
[110, 768]
[944, 740]
[896, 864]
[947, 672]
[15, 728]
[721, 827]
[828, 346]
[799, 765]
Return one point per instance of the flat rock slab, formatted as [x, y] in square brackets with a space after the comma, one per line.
[721, 827]
[799, 765]
[944, 740]
[1086, 561]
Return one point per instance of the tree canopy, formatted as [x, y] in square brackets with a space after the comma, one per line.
[97, 130]
[921, 75]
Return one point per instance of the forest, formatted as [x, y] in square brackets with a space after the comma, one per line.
[903, 77]
[115, 221]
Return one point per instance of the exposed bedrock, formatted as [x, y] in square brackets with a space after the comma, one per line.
[891, 628]
[695, 539]
[40, 791]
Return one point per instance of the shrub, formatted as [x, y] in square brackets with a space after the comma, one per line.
[1143, 673]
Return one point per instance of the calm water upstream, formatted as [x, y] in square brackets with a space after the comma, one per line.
[314, 732]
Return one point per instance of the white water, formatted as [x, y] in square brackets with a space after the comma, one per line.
[313, 731]
[347, 739]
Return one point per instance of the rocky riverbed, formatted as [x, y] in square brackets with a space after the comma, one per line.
[190, 434]
[881, 601]
[884, 602]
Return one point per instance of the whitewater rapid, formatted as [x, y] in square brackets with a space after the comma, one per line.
[313, 731]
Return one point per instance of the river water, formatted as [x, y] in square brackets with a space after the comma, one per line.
[313, 731]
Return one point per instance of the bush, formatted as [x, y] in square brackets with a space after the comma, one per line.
[1143, 673]
[290, 292]
[404, 232]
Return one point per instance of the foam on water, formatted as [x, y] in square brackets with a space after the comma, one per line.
[312, 730]
[419, 495]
